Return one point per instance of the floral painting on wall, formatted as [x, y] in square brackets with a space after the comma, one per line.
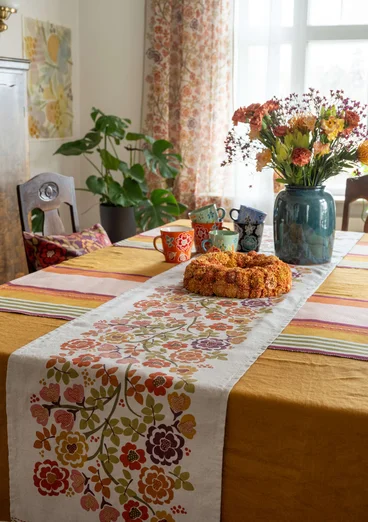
[50, 95]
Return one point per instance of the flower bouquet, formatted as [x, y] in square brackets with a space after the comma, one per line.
[306, 140]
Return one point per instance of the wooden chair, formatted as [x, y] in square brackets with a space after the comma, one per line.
[356, 188]
[47, 192]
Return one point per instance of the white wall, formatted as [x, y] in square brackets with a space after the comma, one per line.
[111, 71]
[61, 12]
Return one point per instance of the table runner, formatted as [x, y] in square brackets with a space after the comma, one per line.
[100, 356]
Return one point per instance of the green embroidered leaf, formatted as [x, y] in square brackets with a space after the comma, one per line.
[131, 493]
[150, 401]
[108, 466]
[177, 484]
[128, 432]
[50, 373]
[113, 450]
[102, 391]
[73, 374]
[189, 387]
[123, 499]
[188, 486]
[157, 408]
[115, 440]
[114, 459]
[95, 394]
[135, 437]
[110, 391]
[100, 405]
[134, 424]
[65, 366]
[90, 401]
[179, 385]
[124, 483]
[83, 424]
[184, 476]
[114, 422]
[95, 418]
[148, 420]
[146, 411]
[66, 378]
[103, 457]
[142, 428]
[107, 432]
[125, 421]
[160, 417]
[177, 470]
[118, 430]
[126, 474]
[91, 424]
[84, 414]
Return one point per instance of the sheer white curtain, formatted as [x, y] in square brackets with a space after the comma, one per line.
[284, 46]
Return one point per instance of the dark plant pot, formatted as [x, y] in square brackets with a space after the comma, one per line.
[304, 225]
[119, 222]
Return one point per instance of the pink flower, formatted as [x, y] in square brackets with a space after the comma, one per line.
[77, 481]
[65, 419]
[75, 394]
[243, 114]
[300, 156]
[109, 514]
[89, 502]
[40, 413]
[51, 393]
[156, 363]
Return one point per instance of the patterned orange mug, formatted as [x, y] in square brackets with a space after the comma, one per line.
[202, 232]
[177, 243]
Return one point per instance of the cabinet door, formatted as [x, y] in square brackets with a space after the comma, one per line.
[14, 165]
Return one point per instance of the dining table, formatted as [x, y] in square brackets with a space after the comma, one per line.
[296, 432]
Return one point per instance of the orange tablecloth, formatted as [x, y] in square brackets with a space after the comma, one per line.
[297, 424]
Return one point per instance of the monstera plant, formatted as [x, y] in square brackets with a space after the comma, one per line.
[121, 185]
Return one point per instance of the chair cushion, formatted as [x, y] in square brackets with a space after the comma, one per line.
[44, 251]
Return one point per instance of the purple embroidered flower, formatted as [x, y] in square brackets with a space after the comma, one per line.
[211, 344]
[164, 445]
[258, 303]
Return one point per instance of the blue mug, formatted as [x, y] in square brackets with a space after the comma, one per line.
[247, 214]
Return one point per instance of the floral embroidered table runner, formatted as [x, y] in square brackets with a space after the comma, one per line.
[120, 414]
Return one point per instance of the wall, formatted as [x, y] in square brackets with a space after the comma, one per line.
[111, 71]
[61, 12]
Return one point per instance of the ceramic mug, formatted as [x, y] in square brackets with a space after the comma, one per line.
[250, 235]
[225, 240]
[177, 243]
[208, 214]
[257, 216]
[202, 231]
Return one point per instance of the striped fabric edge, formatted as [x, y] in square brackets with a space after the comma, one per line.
[126, 243]
[320, 345]
[42, 309]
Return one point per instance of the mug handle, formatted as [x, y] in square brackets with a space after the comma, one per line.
[204, 248]
[234, 210]
[155, 245]
[226, 228]
[223, 213]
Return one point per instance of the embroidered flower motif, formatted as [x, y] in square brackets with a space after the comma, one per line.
[116, 337]
[186, 426]
[75, 394]
[175, 345]
[164, 445]
[183, 241]
[155, 486]
[211, 343]
[79, 344]
[78, 481]
[50, 479]
[89, 502]
[40, 413]
[85, 360]
[178, 403]
[184, 371]
[71, 449]
[135, 512]
[132, 457]
[189, 356]
[158, 383]
[156, 363]
[110, 514]
[50, 393]
[65, 419]
[162, 516]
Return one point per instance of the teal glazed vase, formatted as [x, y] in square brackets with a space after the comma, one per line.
[304, 225]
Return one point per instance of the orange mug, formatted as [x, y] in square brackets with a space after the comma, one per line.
[177, 243]
[202, 232]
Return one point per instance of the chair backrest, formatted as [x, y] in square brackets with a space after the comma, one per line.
[47, 192]
[356, 188]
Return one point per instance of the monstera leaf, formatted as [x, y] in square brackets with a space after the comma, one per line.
[160, 208]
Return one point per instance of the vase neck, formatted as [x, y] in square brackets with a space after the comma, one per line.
[293, 188]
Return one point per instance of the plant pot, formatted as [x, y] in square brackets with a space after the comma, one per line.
[119, 222]
[304, 225]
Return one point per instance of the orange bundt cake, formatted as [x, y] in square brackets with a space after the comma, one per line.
[232, 274]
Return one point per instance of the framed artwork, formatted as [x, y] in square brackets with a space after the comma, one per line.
[50, 93]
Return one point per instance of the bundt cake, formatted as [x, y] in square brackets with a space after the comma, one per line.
[232, 274]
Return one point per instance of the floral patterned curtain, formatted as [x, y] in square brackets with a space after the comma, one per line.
[188, 89]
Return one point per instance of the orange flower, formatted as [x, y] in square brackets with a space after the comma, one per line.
[351, 119]
[320, 149]
[178, 403]
[186, 426]
[303, 122]
[263, 158]
[280, 130]
[190, 356]
[300, 156]
[363, 152]
[71, 449]
[155, 486]
[243, 114]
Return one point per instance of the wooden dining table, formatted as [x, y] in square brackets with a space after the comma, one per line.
[297, 422]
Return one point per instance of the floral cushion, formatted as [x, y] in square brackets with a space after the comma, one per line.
[44, 251]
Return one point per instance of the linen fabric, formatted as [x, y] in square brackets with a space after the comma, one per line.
[184, 379]
[44, 251]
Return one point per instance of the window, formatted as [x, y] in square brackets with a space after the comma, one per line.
[285, 46]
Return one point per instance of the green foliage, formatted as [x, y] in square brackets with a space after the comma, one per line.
[37, 218]
[123, 184]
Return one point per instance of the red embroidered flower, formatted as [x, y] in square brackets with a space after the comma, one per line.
[51, 254]
[74, 394]
[158, 383]
[110, 514]
[85, 359]
[175, 345]
[65, 419]
[50, 393]
[79, 344]
[50, 479]
[134, 512]
[40, 413]
[89, 502]
[184, 241]
[132, 457]
[156, 363]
